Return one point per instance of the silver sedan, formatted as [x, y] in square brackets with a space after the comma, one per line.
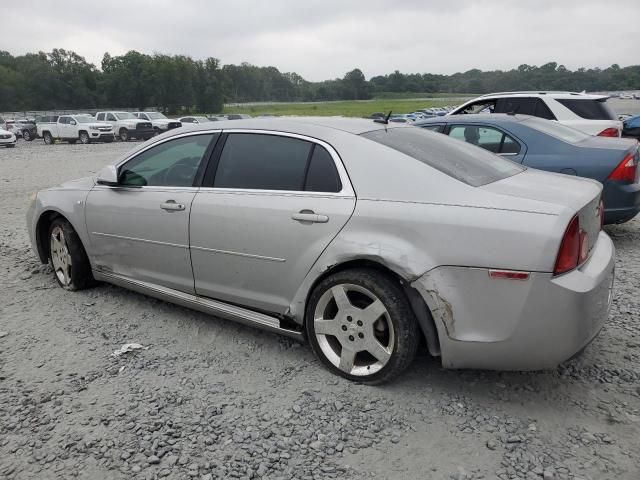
[364, 238]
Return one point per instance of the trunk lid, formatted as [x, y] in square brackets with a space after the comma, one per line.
[579, 195]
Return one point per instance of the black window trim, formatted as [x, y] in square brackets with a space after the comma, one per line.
[209, 176]
[523, 146]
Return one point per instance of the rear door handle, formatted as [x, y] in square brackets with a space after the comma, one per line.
[309, 216]
[171, 205]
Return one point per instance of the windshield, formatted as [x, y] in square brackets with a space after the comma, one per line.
[125, 116]
[462, 161]
[555, 129]
[84, 119]
[155, 115]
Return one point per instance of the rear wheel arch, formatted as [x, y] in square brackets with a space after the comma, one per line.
[418, 304]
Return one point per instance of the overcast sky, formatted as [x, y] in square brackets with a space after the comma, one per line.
[321, 39]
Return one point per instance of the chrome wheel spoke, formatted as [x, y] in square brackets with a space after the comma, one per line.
[326, 327]
[375, 348]
[347, 359]
[373, 312]
[340, 296]
[60, 257]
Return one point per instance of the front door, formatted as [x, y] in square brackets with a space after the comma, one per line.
[140, 229]
[274, 205]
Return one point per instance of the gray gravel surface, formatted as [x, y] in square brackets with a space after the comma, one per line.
[211, 399]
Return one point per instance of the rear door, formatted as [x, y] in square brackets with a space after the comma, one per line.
[270, 205]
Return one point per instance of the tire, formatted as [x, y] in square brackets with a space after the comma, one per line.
[84, 138]
[48, 138]
[26, 135]
[67, 257]
[156, 131]
[124, 135]
[389, 328]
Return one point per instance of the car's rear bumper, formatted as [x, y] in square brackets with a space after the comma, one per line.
[621, 202]
[519, 324]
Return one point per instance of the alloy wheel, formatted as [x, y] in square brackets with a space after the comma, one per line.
[353, 329]
[60, 257]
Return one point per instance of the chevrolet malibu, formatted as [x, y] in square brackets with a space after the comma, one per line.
[364, 238]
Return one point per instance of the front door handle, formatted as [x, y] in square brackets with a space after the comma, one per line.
[171, 205]
[309, 216]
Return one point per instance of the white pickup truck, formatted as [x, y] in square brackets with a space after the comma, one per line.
[160, 123]
[72, 128]
[127, 126]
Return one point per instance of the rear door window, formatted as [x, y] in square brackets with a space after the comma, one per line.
[262, 162]
[100, 117]
[489, 138]
[459, 160]
[588, 108]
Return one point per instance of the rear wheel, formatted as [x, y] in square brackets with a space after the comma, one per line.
[48, 138]
[124, 134]
[26, 135]
[68, 258]
[84, 138]
[361, 326]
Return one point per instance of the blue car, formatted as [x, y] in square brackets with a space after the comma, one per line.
[553, 147]
[631, 127]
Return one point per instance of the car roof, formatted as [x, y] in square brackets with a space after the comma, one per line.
[494, 118]
[544, 93]
[355, 126]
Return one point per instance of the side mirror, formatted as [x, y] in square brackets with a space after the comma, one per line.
[72, 122]
[108, 176]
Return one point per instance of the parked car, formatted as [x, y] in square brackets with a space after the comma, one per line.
[7, 138]
[71, 128]
[197, 119]
[23, 128]
[493, 264]
[237, 116]
[160, 122]
[631, 127]
[625, 96]
[589, 113]
[127, 126]
[554, 147]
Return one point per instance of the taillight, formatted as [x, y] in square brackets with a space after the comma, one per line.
[574, 248]
[609, 132]
[626, 170]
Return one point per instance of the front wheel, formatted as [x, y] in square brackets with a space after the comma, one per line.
[361, 326]
[124, 135]
[84, 138]
[48, 138]
[68, 258]
[26, 135]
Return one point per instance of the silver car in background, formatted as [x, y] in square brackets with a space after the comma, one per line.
[362, 237]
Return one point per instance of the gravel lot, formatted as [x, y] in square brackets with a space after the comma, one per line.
[212, 399]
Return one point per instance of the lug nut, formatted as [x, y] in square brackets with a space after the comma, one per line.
[359, 323]
[349, 318]
[344, 328]
[351, 338]
[361, 335]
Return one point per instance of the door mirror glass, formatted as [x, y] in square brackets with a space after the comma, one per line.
[108, 176]
[72, 122]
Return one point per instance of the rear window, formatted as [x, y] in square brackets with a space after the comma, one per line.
[588, 108]
[462, 161]
[557, 130]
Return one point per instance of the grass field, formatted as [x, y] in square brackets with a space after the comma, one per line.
[353, 108]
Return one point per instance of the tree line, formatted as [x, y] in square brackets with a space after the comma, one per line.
[62, 79]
